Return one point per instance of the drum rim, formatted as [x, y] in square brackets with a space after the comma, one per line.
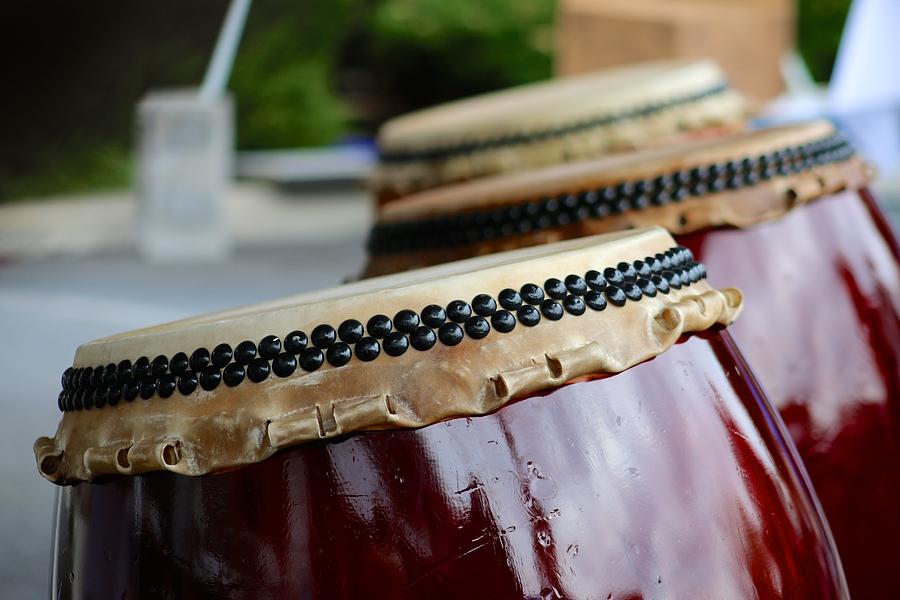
[738, 181]
[462, 126]
[553, 121]
[221, 426]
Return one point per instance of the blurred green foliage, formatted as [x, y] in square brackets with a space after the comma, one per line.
[307, 73]
[283, 74]
[819, 27]
[100, 166]
[434, 50]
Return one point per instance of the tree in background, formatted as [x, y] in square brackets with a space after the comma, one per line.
[819, 27]
[307, 73]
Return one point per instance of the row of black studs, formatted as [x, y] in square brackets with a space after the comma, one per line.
[568, 208]
[95, 387]
[450, 151]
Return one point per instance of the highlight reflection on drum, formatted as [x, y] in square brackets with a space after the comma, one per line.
[562, 422]
[785, 214]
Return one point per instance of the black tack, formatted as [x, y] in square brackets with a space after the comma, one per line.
[653, 263]
[674, 257]
[433, 315]
[615, 295]
[664, 260]
[367, 349]
[97, 376]
[574, 305]
[99, 396]
[221, 355]
[646, 286]
[179, 363]
[210, 378]
[338, 354]
[67, 374]
[395, 344]
[158, 366]
[233, 374]
[284, 364]
[628, 271]
[595, 300]
[458, 311]
[84, 377]
[528, 315]
[87, 398]
[632, 291]
[613, 276]
[141, 367]
[576, 285]
[312, 358]
[484, 305]
[503, 321]
[258, 370]
[532, 294]
[406, 321]
[552, 309]
[323, 336]
[510, 299]
[351, 331]
[295, 342]
[199, 359]
[269, 347]
[642, 268]
[76, 400]
[165, 385]
[423, 338]
[477, 327]
[555, 288]
[131, 389]
[450, 334]
[595, 280]
[115, 394]
[660, 282]
[673, 278]
[245, 352]
[379, 326]
[187, 383]
[694, 273]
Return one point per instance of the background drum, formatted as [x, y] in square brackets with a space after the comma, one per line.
[785, 214]
[554, 121]
[548, 461]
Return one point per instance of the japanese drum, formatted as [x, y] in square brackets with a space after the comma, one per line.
[563, 422]
[554, 121]
[785, 214]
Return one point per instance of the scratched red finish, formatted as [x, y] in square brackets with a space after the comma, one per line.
[671, 479]
[821, 327]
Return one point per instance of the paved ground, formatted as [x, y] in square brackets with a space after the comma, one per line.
[50, 302]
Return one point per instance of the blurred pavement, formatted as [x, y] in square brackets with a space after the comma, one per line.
[71, 275]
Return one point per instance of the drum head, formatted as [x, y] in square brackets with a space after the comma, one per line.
[231, 388]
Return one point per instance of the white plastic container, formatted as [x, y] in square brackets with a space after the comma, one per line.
[185, 165]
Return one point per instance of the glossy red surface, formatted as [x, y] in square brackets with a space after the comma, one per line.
[671, 480]
[821, 327]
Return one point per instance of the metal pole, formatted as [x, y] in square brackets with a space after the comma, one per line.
[219, 68]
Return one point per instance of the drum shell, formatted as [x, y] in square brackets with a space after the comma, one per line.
[671, 479]
[822, 331]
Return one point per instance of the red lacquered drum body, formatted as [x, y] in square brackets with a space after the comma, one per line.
[821, 330]
[671, 479]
